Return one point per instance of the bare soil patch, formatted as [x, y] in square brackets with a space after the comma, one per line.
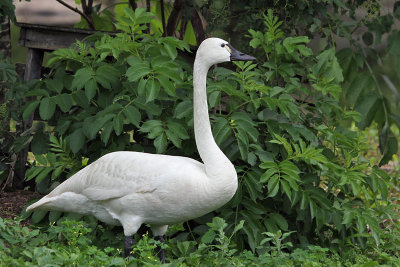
[12, 203]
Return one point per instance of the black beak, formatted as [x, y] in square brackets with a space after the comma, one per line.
[239, 56]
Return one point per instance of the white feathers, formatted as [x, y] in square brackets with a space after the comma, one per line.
[132, 188]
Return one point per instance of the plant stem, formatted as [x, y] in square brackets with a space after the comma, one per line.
[163, 17]
[133, 5]
[86, 17]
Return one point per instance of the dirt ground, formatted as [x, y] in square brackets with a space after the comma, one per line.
[12, 203]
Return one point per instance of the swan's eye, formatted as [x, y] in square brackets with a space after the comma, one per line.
[222, 45]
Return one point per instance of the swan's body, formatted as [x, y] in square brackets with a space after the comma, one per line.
[132, 188]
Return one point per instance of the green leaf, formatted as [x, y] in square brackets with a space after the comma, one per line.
[141, 88]
[151, 108]
[178, 129]
[98, 123]
[221, 130]
[38, 215]
[273, 185]
[137, 71]
[133, 115]
[33, 172]
[106, 75]
[160, 61]
[279, 220]
[304, 201]
[252, 186]
[152, 90]
[305, 51]
[141, 16]
[37, 92]
[106, 132]
[238, 227]
[286, 188]
[171, 51]
[266, 175]
[313, 209]
[90, 88]
[160, 143]
[47, 108]
[214, 98]
[171, 73]
[30, 108]
[54, 216]
[368, 106]
[328, 66]
[40, 143]
[76, 140]
[54, 85]
[173, 137]
[364, 82]
[208, 237]
[167, 85]
[171, 44]
[155, 130]
[64, 101]
[183, 109]
[283, 142]
[81, 77]
[80, 98]
[290, 43]
[118, 123]
[269, 165]
[348, 217]
[243, 143]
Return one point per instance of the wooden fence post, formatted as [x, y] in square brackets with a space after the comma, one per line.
[33, 70]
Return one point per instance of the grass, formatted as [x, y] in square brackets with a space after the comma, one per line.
[72, 243]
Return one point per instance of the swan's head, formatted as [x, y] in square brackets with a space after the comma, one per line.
[215, 50]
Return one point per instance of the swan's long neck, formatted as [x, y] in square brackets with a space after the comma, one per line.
[213, 158]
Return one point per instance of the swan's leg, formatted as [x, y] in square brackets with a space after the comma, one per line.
[131, 226]
[158, 232]
[128, 243]
[159, 250]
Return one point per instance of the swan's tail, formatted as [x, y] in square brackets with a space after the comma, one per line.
[39, 204]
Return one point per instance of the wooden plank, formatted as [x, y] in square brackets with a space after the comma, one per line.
[33, 70]
[49, 38]
[33, 67]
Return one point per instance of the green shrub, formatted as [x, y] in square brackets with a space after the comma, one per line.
[300, 169]
[67, 244]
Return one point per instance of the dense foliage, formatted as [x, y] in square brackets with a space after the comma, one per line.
[279, 121]
[71, 243]
[364, 34]
[289, 122]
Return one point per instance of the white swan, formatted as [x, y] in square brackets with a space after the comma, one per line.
[132, 188]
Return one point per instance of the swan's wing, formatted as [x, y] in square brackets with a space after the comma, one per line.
[103, 187]
[122, 173]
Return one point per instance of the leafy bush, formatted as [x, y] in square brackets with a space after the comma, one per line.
[67, 243]
[280, 122]
[364, 33]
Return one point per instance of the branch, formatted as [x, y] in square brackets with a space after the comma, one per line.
[133, 5]
[163, 17]
[174, 17]
[84, 6]
[148, 6]
[91, 25]
[197, 26]
[89, 7]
